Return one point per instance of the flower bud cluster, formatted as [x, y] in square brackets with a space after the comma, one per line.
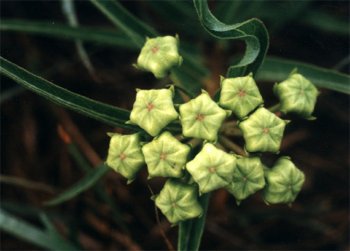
[192, 172]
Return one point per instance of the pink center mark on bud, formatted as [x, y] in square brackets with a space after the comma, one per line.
[155, 49]
[241, 93]
[122, 156]
[150, 106]
[163, 156]
[212, 169]
[266, 130]
[200, 117]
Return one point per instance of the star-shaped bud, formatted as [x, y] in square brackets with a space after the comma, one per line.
[284, 182]
[159, 55]
[178, 201]
[262, 131]
[297, 95]
[241, 95]
[212, 168]
[153, 110]
[248, 177]
[165, 156]
[202, 118]
[125, 155]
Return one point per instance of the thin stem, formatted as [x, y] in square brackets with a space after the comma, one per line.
[232, 146]
[28, 184]
[165, 238]
[274, 108]
[230, 129]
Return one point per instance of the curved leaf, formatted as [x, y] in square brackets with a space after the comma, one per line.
[88, 181]
[109, 114]
[277, 69]
[252, 31]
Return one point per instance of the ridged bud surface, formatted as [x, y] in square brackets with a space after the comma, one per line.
[240, 95]
[262, 131]
[178, 201]
[124, 155]
[297, 95]
[211, 168]
[248, 177]
[159, 55]
[283, 182]
[202, 118]
[165, 156]
[153, 110]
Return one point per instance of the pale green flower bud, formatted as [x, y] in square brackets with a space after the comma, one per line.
[153, 110]
[248, 177]
[124, 155]
[297, 95]
[241, 95]
[159, 55]
[211, 168]
[202, 118]
[165, 156]
[178, 201]
[284, 182]
[262, 131]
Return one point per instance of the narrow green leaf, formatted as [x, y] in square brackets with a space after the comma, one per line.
[85, 183]
[184, 235]
[91, 34]
[326, 22]
[32, 234]
[191, 231]
[277, 69]
[252, 31]
[99, 188]
[134, 28]
[198, 225]
[109, 114]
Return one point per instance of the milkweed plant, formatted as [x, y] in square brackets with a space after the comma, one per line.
[194, 162]
[183, 134]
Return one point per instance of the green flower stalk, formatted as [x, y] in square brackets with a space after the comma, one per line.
[248, 178]
[178, 201]
[153, 110]
[165, 156]
[159, 55]
[262, 131]
[212, 168]
[202, 118]
[124, 155]
[297, 95]
[284, 182]
[241, 95]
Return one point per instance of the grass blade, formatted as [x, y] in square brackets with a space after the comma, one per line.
[109, 114]
[88, 181]
[134, 28]
[89, 34]
[68, 9]
[277, 69]
[32, 234]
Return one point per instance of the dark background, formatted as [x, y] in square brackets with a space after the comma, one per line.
[33, 150]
